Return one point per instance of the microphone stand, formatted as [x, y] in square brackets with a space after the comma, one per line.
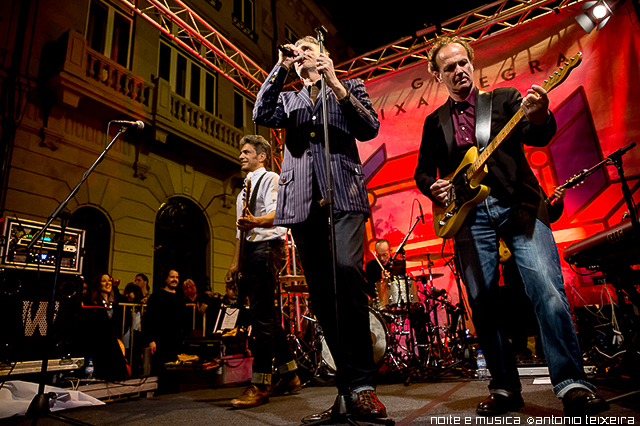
[340, 409]
[615, 158]
[39, 406]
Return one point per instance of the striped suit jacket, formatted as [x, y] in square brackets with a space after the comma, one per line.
[304, 154]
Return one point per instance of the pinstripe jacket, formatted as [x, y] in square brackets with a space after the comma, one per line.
[304, 147]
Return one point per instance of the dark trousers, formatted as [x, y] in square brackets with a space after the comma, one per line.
[350, 338]
[260, 266]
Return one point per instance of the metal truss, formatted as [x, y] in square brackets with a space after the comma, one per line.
[475, 25]
[184, 26]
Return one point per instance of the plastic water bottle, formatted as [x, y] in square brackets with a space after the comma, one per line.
[89, 369]
[482, 372]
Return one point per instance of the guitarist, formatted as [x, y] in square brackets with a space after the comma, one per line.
[258, 263]
[515, 211]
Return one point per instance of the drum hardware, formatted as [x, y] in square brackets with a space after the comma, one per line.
[422, 257]
[448, 348]
[396, 293]
[434, 276]
[380, 338]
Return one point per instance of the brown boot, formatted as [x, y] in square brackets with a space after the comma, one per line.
[251, 397]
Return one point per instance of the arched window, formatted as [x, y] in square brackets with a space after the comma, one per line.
[97, 245]
[181, 242]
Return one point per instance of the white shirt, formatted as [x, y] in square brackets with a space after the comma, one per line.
[265, 204]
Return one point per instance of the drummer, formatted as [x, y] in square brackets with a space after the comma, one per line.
[380, 268]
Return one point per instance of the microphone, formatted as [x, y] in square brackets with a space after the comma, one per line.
[620, 152]
[421, 213]
[135, 124]
[286, 51]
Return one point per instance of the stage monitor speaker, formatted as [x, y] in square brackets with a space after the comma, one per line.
[24, 301]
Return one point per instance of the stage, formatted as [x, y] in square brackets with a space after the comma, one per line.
[447, 401]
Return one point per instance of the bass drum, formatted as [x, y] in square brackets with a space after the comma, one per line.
[380, 338]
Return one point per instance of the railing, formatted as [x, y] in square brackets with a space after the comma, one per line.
[202, 121]
[133, 320]
[117, 78]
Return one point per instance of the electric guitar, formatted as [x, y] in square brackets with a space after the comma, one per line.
[466, 190]
[575, 180]
[503, 251]
[243, 236]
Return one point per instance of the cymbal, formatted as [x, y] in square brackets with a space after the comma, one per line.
[291, 278]
[426, 276]
[428, 256]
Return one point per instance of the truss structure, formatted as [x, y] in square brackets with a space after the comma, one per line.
[475, 25]
[179, 22]
[183, 25]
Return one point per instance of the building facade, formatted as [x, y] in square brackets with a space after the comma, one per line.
[162, 197]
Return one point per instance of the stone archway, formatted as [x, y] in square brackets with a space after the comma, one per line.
[97, 245]
[181, 242]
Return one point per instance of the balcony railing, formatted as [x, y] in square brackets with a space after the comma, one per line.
[117, 78]
[86, 73]
[202, 121]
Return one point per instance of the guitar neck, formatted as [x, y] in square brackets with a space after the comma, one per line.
[494, 144]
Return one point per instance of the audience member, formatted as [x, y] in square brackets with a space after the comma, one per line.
[132, 343]
[104, 295]
[163, 328]
[142, 281]
[199, 305]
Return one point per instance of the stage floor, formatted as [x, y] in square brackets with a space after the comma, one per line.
[450, 401]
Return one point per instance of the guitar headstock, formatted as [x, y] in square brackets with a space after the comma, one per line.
[561, 74]
[247, 192]
[576, 179]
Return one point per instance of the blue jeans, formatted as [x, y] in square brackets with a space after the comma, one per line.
[533, 247]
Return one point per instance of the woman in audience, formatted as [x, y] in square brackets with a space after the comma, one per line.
[104, 295]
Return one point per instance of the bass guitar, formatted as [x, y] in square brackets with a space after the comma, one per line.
[466, 190]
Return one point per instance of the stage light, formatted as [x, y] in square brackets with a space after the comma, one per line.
[596, 16]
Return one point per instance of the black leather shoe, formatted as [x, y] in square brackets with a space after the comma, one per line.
[498, 404]
[580, 402]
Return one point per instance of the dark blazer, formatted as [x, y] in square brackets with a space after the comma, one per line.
[304, 145]
[509, 172]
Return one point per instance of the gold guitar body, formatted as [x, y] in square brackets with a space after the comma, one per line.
[465, 193]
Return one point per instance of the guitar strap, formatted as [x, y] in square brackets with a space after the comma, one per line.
[483, 132]
[254, 195]
[483, 119]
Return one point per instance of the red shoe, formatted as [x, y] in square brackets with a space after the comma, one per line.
[368, 405]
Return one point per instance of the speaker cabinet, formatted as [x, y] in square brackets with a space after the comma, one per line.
[25, 296]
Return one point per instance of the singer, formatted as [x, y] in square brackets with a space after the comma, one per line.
[302, 207]
[515, 211]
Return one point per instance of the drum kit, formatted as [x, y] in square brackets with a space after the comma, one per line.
[406, 330]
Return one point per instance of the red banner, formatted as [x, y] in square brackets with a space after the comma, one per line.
[596, 114]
